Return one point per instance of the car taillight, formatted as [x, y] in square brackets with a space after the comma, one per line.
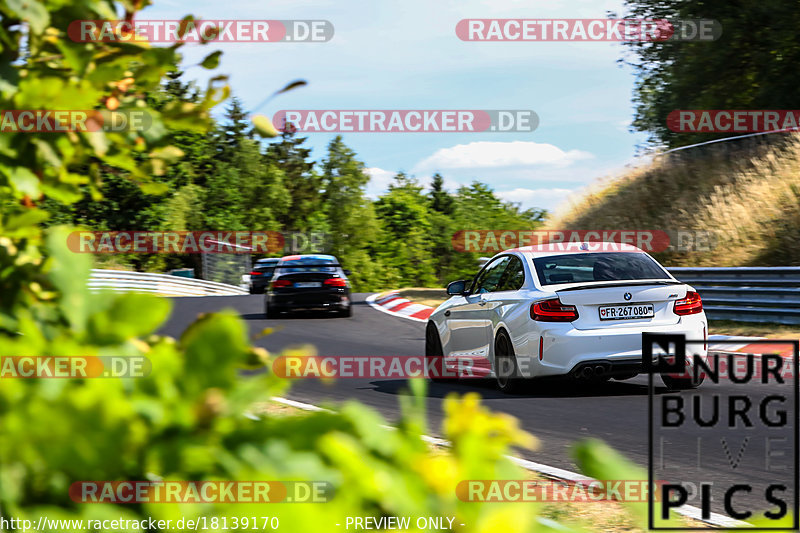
[690, 305]
[278, 283]
[255, 273]
[553, 311]
[335, 282]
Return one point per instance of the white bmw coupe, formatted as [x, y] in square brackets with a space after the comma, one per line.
[576, 310]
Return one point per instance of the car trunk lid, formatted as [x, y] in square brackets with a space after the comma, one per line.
[623, 304]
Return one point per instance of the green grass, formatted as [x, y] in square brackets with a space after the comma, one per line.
[753, 329]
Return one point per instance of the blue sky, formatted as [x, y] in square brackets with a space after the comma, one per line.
[406, 55]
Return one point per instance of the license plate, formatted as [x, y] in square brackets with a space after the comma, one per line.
[307, 284]
[626, 312]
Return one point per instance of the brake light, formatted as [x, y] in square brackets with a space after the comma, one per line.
[553, 311]
[278, 283]
[690, 305]
[335, 282]
[255, 273]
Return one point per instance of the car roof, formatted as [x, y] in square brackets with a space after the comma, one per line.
[323, 257]
[268, 260]
[583, 247]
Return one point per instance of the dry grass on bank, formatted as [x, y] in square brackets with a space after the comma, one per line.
[747, 195]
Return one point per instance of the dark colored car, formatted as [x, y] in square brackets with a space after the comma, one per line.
[262, 273]
[308, 282]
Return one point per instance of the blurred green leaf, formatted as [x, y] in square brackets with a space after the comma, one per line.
[129, 316]
[24, 181]
[211, 61]
[264, 127]
[31, 11]
[69, 272]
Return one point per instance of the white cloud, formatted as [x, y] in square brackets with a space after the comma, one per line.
[542, 198]
[379, 180]
[485, 154]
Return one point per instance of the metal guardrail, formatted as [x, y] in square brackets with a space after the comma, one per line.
[746, 294]
[162, 284]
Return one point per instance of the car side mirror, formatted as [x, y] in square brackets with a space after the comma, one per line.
[346, 272]
[457, 288]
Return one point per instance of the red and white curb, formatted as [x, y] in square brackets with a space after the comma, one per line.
[552, 472]
[758, 349]
[393, 304]
[731, 347]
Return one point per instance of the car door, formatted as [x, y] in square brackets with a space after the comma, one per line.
[468, 321]
[507, 305]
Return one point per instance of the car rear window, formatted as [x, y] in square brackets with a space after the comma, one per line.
[590, 267]
[307, 264]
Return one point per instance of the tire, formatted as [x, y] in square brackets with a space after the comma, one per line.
[348, 312]
[673, 383]
[506, 365]
[433, 350]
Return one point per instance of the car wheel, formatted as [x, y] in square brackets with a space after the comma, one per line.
[505, 363]
[346, 312]
[434, 355]
[675, 383]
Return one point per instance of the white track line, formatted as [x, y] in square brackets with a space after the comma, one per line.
[689, 511]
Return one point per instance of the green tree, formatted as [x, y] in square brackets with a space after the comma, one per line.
[265, 197]
[751, 66]
[441, 200]
[300, 179]
[406, 241]
[442, 205]
[476, 207]
[235, 129]
[353, 227]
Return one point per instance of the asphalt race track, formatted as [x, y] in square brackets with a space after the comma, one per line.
[558, 414]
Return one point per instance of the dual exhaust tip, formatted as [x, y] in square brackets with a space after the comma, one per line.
[590, 371]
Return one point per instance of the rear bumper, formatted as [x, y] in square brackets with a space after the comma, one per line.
[258, 285]
[309, 300]
[618, 350]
